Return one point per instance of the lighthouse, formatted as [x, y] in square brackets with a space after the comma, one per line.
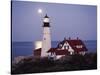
[46, 41]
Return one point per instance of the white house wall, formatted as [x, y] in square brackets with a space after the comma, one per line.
[70, 48]
[59, 56]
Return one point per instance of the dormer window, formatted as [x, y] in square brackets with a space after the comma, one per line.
[60, 45]
[79, 46]
[64, 47]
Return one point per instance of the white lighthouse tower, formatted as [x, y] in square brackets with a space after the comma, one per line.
[46, 42]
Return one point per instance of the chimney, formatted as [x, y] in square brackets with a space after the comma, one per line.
[69, 38]
[77, 38]
[64, 38]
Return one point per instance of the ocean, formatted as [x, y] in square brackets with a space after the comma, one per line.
[26, 48]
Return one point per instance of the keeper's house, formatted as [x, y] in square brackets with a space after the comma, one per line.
[65, 47]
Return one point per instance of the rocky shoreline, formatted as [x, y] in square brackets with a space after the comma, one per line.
[29, 64]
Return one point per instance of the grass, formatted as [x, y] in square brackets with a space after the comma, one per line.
[67, 63]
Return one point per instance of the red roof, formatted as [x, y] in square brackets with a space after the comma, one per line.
[58, 52]
[74, 43]
[61, 52]
[52, 50]
[37, 52]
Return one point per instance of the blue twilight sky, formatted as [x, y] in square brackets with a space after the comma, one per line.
[67, 20]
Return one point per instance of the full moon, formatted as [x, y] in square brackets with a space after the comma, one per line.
[39, 11]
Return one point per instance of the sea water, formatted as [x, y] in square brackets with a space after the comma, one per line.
[26, 48]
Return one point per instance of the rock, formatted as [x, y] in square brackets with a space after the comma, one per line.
[18, 59]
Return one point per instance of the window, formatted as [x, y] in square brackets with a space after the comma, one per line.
[79, 46]
[60, 45]
[64, 47]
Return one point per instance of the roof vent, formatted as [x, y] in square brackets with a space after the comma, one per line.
[69, 38]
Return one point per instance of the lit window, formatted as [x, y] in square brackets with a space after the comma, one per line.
[79, 46]
[46, 20]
